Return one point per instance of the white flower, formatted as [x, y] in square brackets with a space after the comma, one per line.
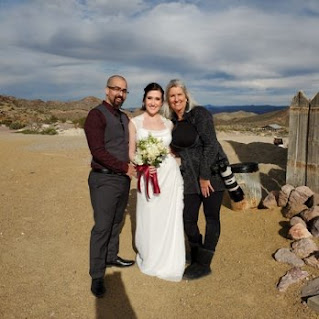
[150, 151]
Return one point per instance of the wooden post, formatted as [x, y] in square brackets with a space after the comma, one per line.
[312, 176]
[298, 134]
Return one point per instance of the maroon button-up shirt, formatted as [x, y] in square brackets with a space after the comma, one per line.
[94, 128]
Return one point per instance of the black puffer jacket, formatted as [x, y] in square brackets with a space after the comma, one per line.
[199, 159]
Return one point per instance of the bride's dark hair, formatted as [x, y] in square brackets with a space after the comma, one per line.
[152, 87]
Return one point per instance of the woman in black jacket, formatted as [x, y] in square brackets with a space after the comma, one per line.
[194, 141]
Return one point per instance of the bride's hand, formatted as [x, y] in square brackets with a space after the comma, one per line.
[152, 170]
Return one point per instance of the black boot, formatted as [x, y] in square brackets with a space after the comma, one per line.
[192, 255]
[201, 267]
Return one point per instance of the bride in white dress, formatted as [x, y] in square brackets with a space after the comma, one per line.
[159, 236]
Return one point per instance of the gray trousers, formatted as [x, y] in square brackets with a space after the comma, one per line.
[109, 196]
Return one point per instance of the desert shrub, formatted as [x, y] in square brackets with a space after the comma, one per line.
[29, 131]
[79, 122]
[6, 122]
[49, 131]
[16, 125]
[51, 119]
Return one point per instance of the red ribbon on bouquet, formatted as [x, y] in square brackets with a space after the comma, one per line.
[145, 170]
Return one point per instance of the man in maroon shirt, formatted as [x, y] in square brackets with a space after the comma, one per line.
[106, 129]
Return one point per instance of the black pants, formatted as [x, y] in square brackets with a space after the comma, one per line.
[109, 196]
[211, 207]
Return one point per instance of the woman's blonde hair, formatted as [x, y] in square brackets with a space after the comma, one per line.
[190, 104]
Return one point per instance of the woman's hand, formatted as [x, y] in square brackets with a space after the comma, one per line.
[152, 170]
[205, 187]
[176, 156]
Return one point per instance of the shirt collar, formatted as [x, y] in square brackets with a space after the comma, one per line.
[111, 108]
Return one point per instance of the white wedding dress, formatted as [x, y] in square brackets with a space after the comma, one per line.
[159, 236]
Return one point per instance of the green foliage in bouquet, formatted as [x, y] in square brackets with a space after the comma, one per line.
[150, 151]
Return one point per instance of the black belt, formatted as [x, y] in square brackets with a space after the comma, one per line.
[105, 171]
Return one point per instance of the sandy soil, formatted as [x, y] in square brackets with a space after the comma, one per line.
[46, 218]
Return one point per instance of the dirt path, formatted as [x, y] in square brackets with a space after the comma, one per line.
[46, 219]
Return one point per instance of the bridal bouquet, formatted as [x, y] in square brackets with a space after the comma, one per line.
[150, 151]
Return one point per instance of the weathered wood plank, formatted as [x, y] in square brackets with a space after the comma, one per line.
[312, 176]
[297, 147]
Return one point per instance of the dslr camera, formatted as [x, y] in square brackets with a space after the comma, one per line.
[234, 190]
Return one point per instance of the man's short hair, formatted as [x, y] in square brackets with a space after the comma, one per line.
[115, 76]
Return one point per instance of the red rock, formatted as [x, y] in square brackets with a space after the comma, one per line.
[313, 303]
[299, 231]
[292, 276]
[300, 195]
[314, 226]
[315, 201]
[297, 220]
[285, 255]
[311, 288]
[284, 194]
[310, 213]
[312, 260]
[293, 209]
[270, 200]
[305, 192]
[304, 247]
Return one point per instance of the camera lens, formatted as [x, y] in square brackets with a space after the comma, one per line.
[234, 190]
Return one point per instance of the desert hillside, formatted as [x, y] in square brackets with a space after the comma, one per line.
[21, 112]
[231, 116]
[26, 111]
[280, 117]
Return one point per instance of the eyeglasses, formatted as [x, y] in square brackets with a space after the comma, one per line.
[118, 89]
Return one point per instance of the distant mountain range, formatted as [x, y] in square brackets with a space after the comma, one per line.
[258, 109]
[89, 102]
[22, 110]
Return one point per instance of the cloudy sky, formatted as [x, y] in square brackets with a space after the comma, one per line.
[228, 52]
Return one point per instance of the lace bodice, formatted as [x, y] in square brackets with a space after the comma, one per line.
[164, 134]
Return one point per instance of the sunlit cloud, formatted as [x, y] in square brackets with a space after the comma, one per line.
[225, 51]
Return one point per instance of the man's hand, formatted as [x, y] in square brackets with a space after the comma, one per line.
[131, 170]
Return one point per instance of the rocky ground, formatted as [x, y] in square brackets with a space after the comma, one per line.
[46, 219]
